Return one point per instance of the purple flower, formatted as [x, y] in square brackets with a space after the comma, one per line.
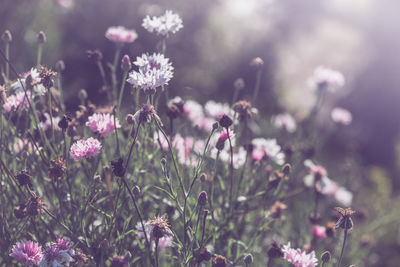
[299, 258]
[85, 148]
[59, 253]
[28, 252]
[121, 35]
[17, 102]
[102, 123]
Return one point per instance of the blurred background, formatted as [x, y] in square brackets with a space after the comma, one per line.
[360, 38]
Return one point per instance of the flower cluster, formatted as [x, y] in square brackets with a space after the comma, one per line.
[18, 101]
[299, 258]
[267, 148]
[157, 228]
[285, 121]
[121, 35]
[163, 25]
[59, 253]
[85, 148]
[103, 123]
[34, 81]
[154, 71]
[27, 253]
[341, 116]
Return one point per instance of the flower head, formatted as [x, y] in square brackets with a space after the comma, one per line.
[267, 148]
[345, 220]
[59, 253]
[326, 79]
[299, 258]
[341, 116]
[285, 121]
[103, 123]
[163, 25]
[154, 71]
[85, 148]
[121, 35]
[318, 231]
[18, 101]
[28, 252]
[157, 227]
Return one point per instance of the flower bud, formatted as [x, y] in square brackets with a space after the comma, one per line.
[82, 95]
[326, 257]
[248, 259]
[202, 200]
[126, 63]
[225, 121]
[286, 169]
[95, 55]
[257, 63]
[41, 37]
[215, 125]
[60, 66]
[219, 261]
[6, 37]
[23, 178]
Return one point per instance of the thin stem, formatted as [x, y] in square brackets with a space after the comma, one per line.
[344, 243]
[121, 91]
[230, 169]
[39, 54]
[59, 84]
[7, 52]
[156, 251]
[257, 86]
[102, 73]
[50, 113]
[114, 71]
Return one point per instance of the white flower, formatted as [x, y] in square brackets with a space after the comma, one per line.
[163, 25]
[267, 148]
[216, 110]
[154, 71]
[38, 88]
[341, 115]
[326, 79]
[285, 121]
[121, 35]
[47, 123]
[344, 196]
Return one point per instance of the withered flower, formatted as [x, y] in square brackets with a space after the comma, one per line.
[57, 168]
[219, 261]
[203, 255]
[244, 110]
[24, 178]
[345, 221]
[118, 167]
[225, 121]
[277, 210]
[46, 76]
[160, 227]
[35, 206]
[275, 251]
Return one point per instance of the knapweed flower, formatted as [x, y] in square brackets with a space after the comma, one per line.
[103, 123]
[345, 220]
[157, 228]
[85, 148]
[154, 71]
[146, 114]
[284, 121]
[33, 81]
[121, 35]
[318, 231]
[18, 101]
[163, 25]
[299, 258]
[28, 253]
[325, 79]
[267, 148]
[341, 116]
[59, 253]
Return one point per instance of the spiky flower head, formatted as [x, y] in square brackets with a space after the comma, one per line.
[345, 221]
[163, 25]
[28, 253]
[160, 227]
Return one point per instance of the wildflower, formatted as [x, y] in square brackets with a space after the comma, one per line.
[275, 251]
[318, 231]
[121, 35]
[126, 63]
[163, 25]
[85, 148]
[28, 253]
[267, 148]
[203, 255]
[324, 79]
[326, 257]
[146, 114]
[202, 200]
[18, 101]
[277, 210]
[224, 135]
[57, 168]
[299, 258]
[285, 121]
[46, 75]
[244, 110]
[157, 227]
[216, 110]
[24, 178]
[30, 79]
[119, 261]
[219, 261]
[225, 121]
[257, 63]
[330, 229]
[103, 123]
[154, 71]
[59, 253]
[118, 168]
[345, 220]
[341, 116]
[160, 227]
[35, 206]
[63, 122]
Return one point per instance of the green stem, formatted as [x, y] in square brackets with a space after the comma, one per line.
[344, 243]
[59, 83]
[7, 52]
[50, 113]
[114, 72]
[121, 91]
[257, 86]
[39, 55]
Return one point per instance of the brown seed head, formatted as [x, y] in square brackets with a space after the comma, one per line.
[57, 168]
[35, 206]
[219, 261]
[275, 251]
[277, 210]
[160, 227]
[46, 75]
[345, 221]
[24, 178]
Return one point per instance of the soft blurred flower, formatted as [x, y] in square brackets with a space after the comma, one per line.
[163, 242]
[154, 71]
[18, 101]
[35, 80]
[121, 35]
[326, 79]
[267, 148]
[194, 112]
[344, 196]
[85, 148]
[285, 121]
[299, 258]
[47, 123]
[318, 231]
[59, 253]
[163, 25]
[20, 144]
[28, 253]
[103, 123]
[216, 110]
[341, 116]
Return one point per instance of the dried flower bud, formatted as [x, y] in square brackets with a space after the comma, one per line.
[20, 211]
[126, 63]
[248, 259]
[94, 55]
[57, 168]
[202, 200]
[220, 145]
[145, 114]
[257, 63]
[330, 229]
[60, 66]
[41, 38]
[203, 255]
[275, 251]
[219, 261]
[63, 123]
[6, 36]
[239, 84]
[82, 95]
[345, 221]
[244, 109]
[277, 210]
[35, 206]
[326, 256]
[24, 178]
[173, 111]
[215, 126]
[286, 169]
[160, 227]
[129, 119]
[118, 167]
[225, 121]
[46, 76]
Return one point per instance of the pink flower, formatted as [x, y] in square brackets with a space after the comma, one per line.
[121, 35]
[326, 79]
[318, 231]
[225, 135]
[28, 252]
[285, 121]
[102, 123]
[17, 102]
[267, 148]
[59, 253]
[299, 258]
[85, 148]
[341, 116]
